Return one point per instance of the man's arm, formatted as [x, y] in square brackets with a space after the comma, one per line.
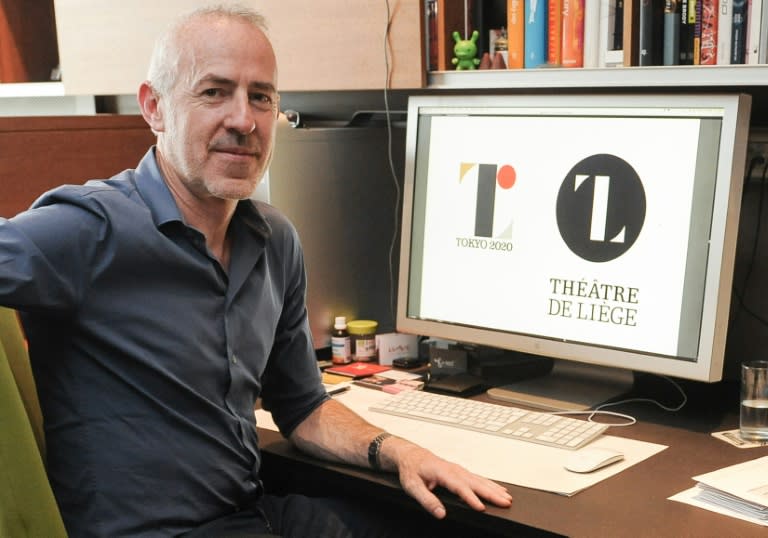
[334, 432]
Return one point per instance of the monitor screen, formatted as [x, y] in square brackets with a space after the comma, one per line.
[598, 229]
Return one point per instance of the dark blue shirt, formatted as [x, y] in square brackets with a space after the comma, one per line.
[149, 356]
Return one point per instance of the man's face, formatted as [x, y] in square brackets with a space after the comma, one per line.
[219, 119]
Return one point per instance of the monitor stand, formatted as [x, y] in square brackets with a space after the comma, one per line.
[570, 386]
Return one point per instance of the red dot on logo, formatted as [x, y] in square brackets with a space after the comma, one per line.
[506, 177]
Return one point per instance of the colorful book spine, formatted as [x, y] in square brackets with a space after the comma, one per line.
[687, 24]
[573, 33]
[671, 55]
[535, 33]
[708, 54]
[516, 34]
[554, 32]
[697, 34]
[724, 22]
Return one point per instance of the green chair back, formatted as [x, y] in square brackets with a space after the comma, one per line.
[28, 508]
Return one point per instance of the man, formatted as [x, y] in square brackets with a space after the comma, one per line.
[160, 304]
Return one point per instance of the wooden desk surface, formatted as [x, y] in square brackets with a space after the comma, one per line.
[633, 503]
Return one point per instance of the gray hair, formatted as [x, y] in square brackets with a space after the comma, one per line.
[162, 72]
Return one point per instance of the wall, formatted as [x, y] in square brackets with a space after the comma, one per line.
[748, 326]
[336, 185]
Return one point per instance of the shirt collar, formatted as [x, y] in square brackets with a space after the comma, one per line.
[158, 198]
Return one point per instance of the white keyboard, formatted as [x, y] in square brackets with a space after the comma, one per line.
[505, 421]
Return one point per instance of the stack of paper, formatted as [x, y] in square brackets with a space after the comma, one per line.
[708, 494]
[739, 490]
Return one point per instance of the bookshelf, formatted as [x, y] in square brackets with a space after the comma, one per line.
[640, 30]
[747, 78]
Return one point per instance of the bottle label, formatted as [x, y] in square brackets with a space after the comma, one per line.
[341, 350]
[365, 349]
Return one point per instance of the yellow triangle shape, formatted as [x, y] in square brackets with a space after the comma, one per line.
[465, 167]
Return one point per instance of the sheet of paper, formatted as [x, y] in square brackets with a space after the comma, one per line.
[515, 462]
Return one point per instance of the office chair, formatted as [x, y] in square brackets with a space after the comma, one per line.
[28, 508]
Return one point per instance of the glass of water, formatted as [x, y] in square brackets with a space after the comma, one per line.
[754, 401]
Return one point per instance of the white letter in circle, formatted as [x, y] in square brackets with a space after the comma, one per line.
[600, 209]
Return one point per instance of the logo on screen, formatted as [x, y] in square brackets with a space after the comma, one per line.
[491, 178]
[601, 208]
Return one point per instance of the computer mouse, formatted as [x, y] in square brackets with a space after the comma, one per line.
[590, 459]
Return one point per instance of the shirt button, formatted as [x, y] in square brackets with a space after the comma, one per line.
[234, 359]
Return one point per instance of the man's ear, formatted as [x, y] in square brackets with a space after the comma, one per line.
[149, 103]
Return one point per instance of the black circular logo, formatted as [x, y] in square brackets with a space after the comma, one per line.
[601, 208]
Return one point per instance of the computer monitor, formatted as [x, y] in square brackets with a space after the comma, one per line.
[598, 230]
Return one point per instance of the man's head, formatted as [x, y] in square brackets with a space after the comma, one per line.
[211, 98]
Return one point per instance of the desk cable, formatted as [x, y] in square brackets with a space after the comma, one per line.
[599, 410]
[388, 114]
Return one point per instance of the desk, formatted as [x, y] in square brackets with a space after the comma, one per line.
[633, 503]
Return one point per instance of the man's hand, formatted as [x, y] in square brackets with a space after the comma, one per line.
[421, 471]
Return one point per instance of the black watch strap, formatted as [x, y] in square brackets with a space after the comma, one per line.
[374, 448]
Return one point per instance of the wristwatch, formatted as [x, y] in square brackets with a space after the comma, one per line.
[374, 448]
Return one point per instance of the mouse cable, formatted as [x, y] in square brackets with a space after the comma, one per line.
[599, 410]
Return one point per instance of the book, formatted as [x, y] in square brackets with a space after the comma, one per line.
[738, 31]
[357, 370]
[629, 34]
[724, 21]
[334, 379]
[554, 32]
[515, 34]
[591, 33]
[650, 32]
[618, 24]
[671, 47]
[432, 48]
[762, 56]
[708, 48]
[687, 31]
[573, 33]
[535, 33]
[754, 20]
[389, 384]
[697, 34]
